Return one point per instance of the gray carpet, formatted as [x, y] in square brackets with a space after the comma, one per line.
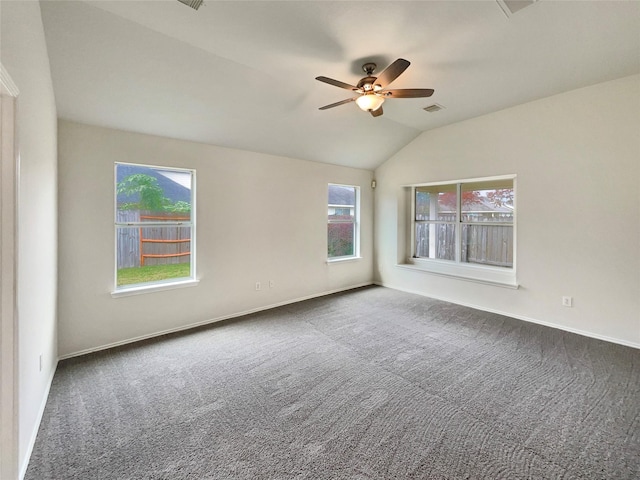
[368, 384]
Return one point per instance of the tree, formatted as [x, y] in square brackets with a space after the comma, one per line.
[150, 194]
[501, 196]
[340, 237]
[449, 199]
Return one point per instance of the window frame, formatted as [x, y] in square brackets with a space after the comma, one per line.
[488, 274]
[355, 222]
[159, 285]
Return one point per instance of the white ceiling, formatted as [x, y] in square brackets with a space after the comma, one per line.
[242, 74]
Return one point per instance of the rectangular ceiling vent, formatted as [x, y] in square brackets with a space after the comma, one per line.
[195, 4]
[509, 7]
[436, 107]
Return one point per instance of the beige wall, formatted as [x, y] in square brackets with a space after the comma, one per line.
[577, 161]
[259, 218]
[24, 55]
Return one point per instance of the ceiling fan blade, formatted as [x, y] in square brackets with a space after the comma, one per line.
[377, 112]
[337, 104]
[408, 93]
[392, 72]
[337, 83]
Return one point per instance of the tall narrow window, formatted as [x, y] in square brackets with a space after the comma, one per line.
[155, 225]
[465, 222]
[343, 216]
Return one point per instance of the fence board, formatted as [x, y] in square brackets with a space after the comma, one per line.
[128, 245]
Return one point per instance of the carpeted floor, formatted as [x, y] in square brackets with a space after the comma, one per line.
[368, 384]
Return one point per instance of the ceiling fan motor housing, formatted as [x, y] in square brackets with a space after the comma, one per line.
[366, 83]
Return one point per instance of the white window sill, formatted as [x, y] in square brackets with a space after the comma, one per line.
[155, 287]
[343, 259]
[495, 276]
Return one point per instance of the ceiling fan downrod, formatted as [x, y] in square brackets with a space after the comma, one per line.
[369, 68]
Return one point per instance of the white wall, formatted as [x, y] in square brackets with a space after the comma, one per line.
[24, 55]
[259, 218]
[577, 160]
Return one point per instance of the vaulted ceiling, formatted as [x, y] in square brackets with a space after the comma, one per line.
[242, 74]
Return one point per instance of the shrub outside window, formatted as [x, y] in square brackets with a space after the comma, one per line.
[467, 222]
[155, 225]
[342, 222]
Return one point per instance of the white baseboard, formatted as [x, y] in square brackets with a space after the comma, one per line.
[209, 321]
[585, 333]
[36, 427]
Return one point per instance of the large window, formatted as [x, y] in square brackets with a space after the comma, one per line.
[465, 223]
[342, 227]
[155, 226]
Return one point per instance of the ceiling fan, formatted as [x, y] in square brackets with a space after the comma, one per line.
[372, 91]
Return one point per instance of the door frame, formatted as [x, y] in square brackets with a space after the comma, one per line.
[9, 171]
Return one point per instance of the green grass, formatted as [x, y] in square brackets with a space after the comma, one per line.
[152, 273]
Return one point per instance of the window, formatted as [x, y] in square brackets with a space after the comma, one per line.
[342, 226]
[155, 226]
[468, 225]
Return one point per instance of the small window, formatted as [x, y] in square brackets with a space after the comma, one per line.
[155, 225]
[343, 216]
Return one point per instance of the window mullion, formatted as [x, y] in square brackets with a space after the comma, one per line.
[414, 251]
[433, 229]
[458, 228]
[153, 224]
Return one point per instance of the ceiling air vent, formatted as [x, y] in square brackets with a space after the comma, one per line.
[433, 108]
[195, 4]
[509, 7]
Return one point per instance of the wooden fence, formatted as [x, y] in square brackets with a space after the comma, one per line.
[488, 244]
[482, 244]
[153, 245]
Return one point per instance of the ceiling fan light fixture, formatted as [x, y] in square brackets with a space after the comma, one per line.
[369, 102]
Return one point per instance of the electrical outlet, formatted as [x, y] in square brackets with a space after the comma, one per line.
[272, 284]
[567, 301]
[258, 286]
[40, 363]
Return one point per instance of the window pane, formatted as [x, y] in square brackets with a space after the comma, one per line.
[488, 245]
[340, 239]
[152, 254]
[152, 194]
[342, 202]
[488, 202]
[436, 240]
[436, 203]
